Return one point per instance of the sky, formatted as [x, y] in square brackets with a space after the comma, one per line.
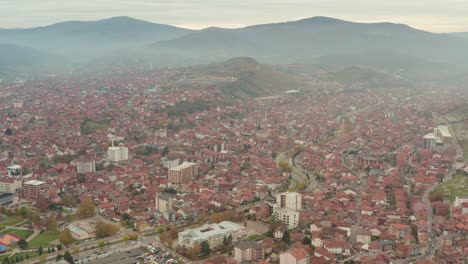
[431, 15]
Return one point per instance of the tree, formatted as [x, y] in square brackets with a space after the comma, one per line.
[86, 209]
[165, 151]
[23, 244]
[194, 251]
[8, 132]
[287, 237]
[101, 244]
[105, 230]
[68, 257]
[205, 248]
[65, 237]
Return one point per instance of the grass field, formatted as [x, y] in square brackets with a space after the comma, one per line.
[457, 186]
[10, 220]
[44, 239]
[21, 233]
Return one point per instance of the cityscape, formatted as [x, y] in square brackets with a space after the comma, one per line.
[236, 160]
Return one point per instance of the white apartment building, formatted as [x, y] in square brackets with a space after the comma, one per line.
[288, 217]
[84, 166]
[291, 200]
[117, 154]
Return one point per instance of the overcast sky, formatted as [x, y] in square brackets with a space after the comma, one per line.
[432, 15]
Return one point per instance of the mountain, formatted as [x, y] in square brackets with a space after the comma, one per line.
[460, 34]
[310, 40]
[17, 60]
[123, 42]
[85, 40]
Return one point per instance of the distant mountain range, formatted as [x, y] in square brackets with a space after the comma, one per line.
[394, 48]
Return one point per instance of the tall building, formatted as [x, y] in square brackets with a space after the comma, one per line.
[163, 203]
[33, 190]
[171, 163]
[291, 200]
[117, 154]
[429, 141]
[183, 173]
[84, 166]
[287, 208]
[289, 217]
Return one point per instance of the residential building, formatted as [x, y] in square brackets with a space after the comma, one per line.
[295, 256]
[183, 173]
[288, 217]
[291, 200]
[163, 203]
[10, 185]
[33, 190]
[84, 166]
[117, 154]
[171, 163]
[248, 251]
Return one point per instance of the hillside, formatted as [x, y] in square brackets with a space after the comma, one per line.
[123, 42]
[309, 40]
[460, 34]
[16, 59]
[246, 77]
[83, 40]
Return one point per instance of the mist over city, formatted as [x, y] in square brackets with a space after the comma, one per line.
[216, 132]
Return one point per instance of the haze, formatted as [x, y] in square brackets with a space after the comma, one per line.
[431, 15]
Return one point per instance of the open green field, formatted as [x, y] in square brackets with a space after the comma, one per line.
[19, 232]
[90, 126]
[10, 220]
[457, 186]
[44, 239]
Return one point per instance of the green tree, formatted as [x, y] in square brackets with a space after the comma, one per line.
[68, 257]
[23, 244]
[205, 248]
[287, 237]
[165, 151]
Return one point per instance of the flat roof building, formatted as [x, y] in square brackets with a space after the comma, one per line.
[214, 234]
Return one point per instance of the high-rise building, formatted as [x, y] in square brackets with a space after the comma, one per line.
[183, 173]
[429, 141]
[33, 190]
[291, 200]
[84, 166]
[287, 208]
[289, 217]
[117, 154]
[163, 203]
